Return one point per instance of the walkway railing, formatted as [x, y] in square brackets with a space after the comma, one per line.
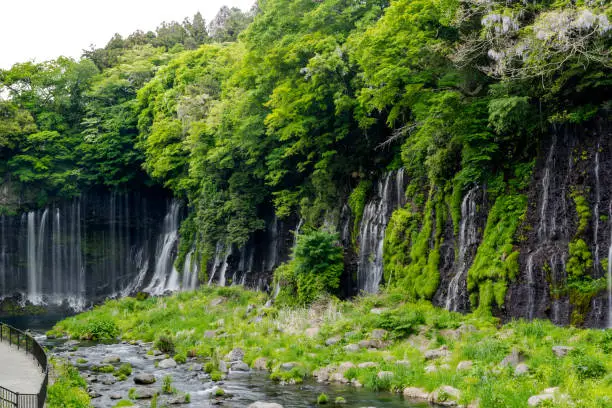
[25, 342]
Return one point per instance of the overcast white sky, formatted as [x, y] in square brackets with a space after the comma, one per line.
[45, 29]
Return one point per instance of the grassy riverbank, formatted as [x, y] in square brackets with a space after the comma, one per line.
[403, 344]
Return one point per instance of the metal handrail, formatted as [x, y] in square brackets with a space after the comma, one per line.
[23, 341]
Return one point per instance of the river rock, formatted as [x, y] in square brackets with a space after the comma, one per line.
[437, 353]
[323, 374]
[333, 340]
[521, 369]
[260, 364]
[416, 393]
[115, 396]
[111, 360]
[561, 351]
[223, 366]
[94, 394]
[107, 379]
[445, 395]
[240, 366]
[259, 404]
[512, 359]
[338, 377]
[178, 399]
[144, 378]
[167, 363]
[145, 393]
[465, 365]
[351, 348]
[378, 334]
[236, 354]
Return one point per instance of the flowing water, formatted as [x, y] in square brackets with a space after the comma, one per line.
[376, 215]
[468, 237]
[244, 388]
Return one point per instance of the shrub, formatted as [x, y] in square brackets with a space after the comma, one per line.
[322, 399]
[124, 370]
[180, 358]
[165, 344]
[68, 390]
[167, 385]
[100, 329]
[401, 323]
[587, 366]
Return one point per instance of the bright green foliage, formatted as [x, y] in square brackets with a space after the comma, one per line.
[357, 202]
[322, 399]
[583, 210]
[583, 375]
[580, 259]
[314, 270]
[98, 329]
[496, 262]
[69, 389]
[409, 261]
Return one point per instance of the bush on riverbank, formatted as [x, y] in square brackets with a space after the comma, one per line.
[68, 388]
[383, 342]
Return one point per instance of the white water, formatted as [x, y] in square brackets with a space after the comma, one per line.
[596, 265]
[219, 266]
[376, 215]
[468, 236]
[190, 272]
[165, 276]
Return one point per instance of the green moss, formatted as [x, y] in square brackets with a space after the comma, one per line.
[582, 209]
[322, 399]
[356, 202]
[409, 260]
[496, 261]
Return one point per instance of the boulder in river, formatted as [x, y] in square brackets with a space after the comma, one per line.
[167, 363]
[259, 404]
[144, 378]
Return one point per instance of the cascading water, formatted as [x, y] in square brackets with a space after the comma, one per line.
[609, 325]
[165, 276]
[596, 265]
[376, 215]
[190, 272]
[219, 266]
[468, 236]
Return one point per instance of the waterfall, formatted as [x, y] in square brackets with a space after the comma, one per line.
[190, 272]
[376, 215]
[220, 264]
[530, 286]
[468, 236]
[165, 276]
[596, 212]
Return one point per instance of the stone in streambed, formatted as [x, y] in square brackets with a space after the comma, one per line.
[144, 378]
[240, 366]
[111, 360]
[416, 393]
[236, 354]
[260, 364]
[145, 393]
[259, 404]
[115, 396]
[167, 363]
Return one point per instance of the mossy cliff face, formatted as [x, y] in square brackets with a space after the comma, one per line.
[566, 232]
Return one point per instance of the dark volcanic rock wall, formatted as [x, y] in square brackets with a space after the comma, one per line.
[575, 160]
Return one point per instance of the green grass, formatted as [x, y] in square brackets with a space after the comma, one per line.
[584, 374]
[68, 388]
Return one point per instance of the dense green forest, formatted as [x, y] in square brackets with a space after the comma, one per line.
[296, 105]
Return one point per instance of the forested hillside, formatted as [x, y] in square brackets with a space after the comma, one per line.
[296, 110]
